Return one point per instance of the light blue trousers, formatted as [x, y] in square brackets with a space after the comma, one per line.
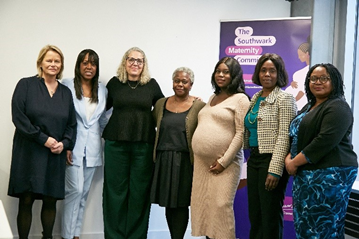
[78, 181]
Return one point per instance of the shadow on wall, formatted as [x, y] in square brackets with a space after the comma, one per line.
[10, 204]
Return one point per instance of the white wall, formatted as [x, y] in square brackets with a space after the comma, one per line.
[172, 33]
[351, 61]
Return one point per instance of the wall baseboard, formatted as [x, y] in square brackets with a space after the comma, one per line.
[151, 235]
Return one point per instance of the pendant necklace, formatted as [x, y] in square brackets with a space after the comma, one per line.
[133, 87]
[177, 103]
[51, 91]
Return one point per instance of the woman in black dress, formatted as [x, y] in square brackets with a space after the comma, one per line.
[176, 119]
[44, 118]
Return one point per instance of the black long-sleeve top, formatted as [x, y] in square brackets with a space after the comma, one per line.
[131, 118]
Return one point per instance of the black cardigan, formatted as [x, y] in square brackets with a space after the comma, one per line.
[324, 136]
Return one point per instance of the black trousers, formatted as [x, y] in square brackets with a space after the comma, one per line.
[265, 207]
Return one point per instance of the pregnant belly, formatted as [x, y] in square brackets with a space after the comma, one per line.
[210, 144]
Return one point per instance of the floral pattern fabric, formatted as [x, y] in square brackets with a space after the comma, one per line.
[320, 199]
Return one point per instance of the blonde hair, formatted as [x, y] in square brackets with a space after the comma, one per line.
[41, 57]
[122, 73]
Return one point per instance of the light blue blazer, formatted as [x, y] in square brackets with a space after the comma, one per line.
[88, 140]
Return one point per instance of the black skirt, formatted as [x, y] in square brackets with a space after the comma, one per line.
[172, 181]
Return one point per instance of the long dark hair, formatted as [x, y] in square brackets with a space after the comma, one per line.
[236, 72]
[335, 78]
[94, 59]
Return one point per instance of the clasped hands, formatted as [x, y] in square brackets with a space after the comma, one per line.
[54, 146]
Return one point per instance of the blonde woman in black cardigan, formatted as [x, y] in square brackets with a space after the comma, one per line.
[176, 120]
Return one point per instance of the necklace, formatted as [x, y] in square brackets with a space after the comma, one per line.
[249, 119]
[51, 88]
[178, 102]
[254, 113]
[133, 87]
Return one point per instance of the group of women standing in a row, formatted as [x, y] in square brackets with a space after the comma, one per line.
[196, 148]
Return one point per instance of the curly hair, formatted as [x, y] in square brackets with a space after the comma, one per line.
[94, 59]
[122, 73]
[236, 73]
[335, 78]
[282, 75]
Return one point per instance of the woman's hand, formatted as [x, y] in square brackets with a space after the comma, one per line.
[57, 148]
[271, 182]
[216, 168]
[197, 98]
[294, 84]
[290, 166]
[50, 142]
[69, 157]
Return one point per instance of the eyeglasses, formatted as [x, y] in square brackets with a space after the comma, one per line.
[322, 79]
[132, 61]
[184, 82]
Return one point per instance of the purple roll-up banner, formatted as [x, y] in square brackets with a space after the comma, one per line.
[246, 41]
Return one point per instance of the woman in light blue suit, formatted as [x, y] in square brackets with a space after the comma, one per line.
[90, 104]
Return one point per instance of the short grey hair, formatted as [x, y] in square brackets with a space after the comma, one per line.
[186, 70]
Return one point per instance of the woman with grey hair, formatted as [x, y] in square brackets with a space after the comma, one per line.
[176, 120]
[129, 137]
